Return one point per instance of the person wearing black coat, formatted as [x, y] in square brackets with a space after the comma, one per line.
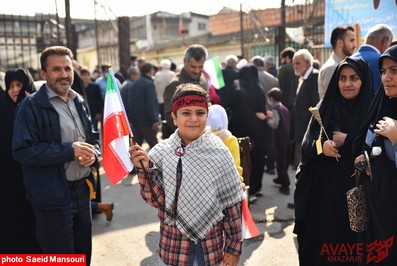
[380, 130]
[324, 175]
[306, 96]
[93, 96]
[143, 112]
[229, 76]
[17, 225]
[246, 101]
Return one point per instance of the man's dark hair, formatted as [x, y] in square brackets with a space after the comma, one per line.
[84, 71]
[196, 51]
[339, 34]
[288, 52]
[276, 94]
[145, 68]
[173, 66]
[54, 50]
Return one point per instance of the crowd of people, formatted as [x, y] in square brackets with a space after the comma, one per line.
[51, 147]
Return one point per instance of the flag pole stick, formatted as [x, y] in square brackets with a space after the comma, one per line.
[132, 142]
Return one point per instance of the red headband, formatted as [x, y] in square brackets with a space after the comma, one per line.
[189, 100]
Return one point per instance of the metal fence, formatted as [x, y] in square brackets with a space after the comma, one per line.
[306, 21]
[23, 37]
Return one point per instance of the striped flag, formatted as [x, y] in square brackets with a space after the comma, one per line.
[116, 130]
[213, 73]
[249, 228]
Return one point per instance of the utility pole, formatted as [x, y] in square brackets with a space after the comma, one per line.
[96, 34]
[124, 44]
[57, 25]
[241, 31]
[281, 28]
[69, 30]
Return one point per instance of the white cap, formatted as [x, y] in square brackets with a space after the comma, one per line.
[217, 117]
[165, 64]
[243, 62]
[227, 58]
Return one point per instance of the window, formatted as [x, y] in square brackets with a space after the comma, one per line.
[202, 26]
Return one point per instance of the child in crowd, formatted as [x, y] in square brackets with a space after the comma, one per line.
[192, 181]
[279, 120]
[217, 120]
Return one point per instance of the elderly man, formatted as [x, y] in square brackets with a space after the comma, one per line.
[266, 80]
[133, 74]
[161, 80]
[306, 96]
[378, 39]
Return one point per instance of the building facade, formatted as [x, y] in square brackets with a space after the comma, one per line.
[165, 35]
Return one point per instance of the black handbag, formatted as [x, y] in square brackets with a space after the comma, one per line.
[357, 206]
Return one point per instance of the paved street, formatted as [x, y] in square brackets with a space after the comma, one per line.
[131, 238]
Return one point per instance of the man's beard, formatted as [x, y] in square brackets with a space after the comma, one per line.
[346, 52]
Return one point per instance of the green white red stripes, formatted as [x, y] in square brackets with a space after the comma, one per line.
[213, 73]
[116, 130]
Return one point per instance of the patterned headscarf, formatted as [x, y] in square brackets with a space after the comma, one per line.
[210, 182]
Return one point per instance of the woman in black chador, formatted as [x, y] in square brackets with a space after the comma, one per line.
[17, 223]
[321, 216]
[246, 101]
[380, 131]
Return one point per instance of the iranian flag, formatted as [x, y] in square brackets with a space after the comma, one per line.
[116, 130]
[249, 229]
[213, 73]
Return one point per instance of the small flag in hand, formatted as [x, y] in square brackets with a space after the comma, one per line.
[249, 227]
[116, 130]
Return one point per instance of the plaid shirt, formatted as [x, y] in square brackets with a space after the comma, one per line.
[225, 236]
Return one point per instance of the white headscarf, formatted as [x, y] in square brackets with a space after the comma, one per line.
[217, 117]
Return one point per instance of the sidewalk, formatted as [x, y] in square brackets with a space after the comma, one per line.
[132, 237]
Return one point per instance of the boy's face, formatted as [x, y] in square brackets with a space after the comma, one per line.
[191, 122]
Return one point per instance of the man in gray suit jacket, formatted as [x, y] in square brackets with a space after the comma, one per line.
[306, 96]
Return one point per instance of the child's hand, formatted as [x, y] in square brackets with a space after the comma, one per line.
[269, 113]
[230, 260]
[139, 157]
